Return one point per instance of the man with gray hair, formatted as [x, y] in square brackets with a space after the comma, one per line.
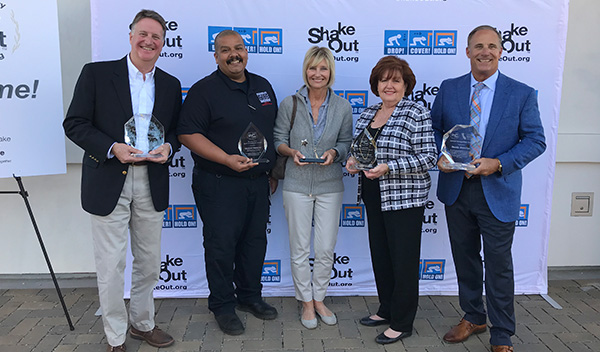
[121, 186]
[482, 204]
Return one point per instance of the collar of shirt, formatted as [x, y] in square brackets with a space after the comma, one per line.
[142, 90]
[231, 83]
[304, 92]
[134, 73]
[318, 127]
[486, 98]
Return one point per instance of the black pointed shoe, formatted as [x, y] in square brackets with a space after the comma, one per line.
[367, 321]
[384, 340]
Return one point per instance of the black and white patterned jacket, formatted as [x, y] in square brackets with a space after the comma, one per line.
[407, 145]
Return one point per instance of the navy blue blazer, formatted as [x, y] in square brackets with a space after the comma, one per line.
[514, 135]
[100, 107]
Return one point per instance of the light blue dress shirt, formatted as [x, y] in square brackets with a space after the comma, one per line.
[486, 98]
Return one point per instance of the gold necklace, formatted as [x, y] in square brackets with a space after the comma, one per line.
[384, 119]
[377, 130]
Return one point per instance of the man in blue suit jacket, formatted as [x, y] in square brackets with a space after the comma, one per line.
[485, 204]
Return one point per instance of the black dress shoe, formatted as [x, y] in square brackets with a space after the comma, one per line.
[367, 321]
[261, 310]
[384, 340]
[230, 324]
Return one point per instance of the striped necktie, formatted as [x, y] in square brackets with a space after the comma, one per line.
[475, 112]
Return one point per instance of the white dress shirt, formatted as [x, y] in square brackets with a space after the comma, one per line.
[141, 87]
[142, 101]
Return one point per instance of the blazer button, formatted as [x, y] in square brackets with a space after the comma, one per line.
[124, 172]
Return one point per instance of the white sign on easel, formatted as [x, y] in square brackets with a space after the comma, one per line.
[31, 136]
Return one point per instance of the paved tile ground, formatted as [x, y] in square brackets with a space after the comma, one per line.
[33, 320]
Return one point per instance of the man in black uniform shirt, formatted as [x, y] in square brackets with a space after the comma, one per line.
[231, 191]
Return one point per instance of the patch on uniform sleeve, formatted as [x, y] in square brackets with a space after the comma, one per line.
[264, 98]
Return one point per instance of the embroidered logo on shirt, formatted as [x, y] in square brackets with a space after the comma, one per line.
[264, 98]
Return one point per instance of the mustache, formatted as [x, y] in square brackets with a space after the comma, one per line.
[232, 59]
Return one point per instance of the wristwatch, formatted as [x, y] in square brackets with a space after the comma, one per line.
[499, 166]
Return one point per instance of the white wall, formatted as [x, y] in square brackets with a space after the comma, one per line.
[576, 240]
[66, 229]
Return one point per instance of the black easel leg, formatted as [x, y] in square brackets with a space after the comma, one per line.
[24, 194]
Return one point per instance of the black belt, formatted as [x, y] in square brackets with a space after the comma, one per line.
[139, 163]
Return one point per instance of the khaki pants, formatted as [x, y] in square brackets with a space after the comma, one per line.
[300, 209]
[136, 211]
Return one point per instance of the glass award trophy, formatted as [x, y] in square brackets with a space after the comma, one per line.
[457, 147]
[146, 133]
[253, 144]
[363, 149]
[307, 159]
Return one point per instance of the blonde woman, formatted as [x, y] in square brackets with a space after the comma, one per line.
[312, 189]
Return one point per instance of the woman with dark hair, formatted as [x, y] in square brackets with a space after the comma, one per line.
[394, 191]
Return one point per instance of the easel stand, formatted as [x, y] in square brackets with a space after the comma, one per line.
[24, 194]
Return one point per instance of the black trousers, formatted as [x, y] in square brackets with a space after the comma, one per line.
[395, 243]
[234, 213]
[471, 222]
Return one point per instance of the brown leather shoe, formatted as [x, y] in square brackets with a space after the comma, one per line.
[463, 330]
[155, 337]
[502, 348]
[116, 348]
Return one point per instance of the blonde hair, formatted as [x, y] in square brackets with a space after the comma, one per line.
[313, 56]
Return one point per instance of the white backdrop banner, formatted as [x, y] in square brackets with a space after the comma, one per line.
[32, 141]
[430, 35]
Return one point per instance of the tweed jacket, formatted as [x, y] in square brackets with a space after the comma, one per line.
[406, 144]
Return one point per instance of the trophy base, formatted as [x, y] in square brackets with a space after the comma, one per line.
[312, 160]
[362, 167]
[460, 166]
[261, 161]
[146, 155]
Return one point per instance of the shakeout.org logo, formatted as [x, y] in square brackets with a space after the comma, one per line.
[341, 40]
[516, 46]
[173, 48]
[173, 275]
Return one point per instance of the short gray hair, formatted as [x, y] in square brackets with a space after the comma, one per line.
[152, 15]
[484, 27]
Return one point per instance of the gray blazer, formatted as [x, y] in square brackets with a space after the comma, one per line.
[314, 178]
